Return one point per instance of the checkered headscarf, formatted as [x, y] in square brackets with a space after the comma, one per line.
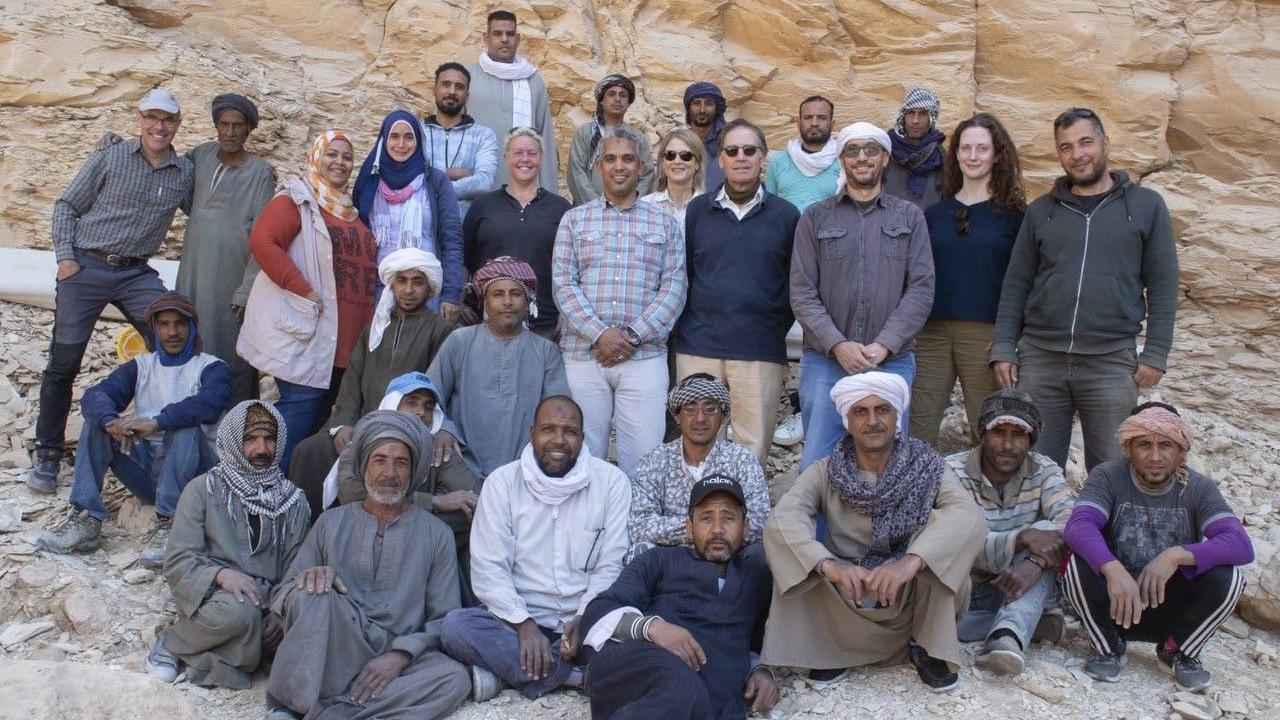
[697, 387]
[918, 98]
[507, 267]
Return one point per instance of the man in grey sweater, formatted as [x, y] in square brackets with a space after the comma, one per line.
[1095, 259]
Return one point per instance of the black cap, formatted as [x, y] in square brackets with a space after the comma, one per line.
[715, 483]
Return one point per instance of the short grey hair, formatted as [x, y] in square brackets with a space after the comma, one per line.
[518, 132]
[621, 132]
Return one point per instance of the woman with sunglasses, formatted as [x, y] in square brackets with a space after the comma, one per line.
[680, 172]
[972, 233]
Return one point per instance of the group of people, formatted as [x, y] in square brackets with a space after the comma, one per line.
[428, 511]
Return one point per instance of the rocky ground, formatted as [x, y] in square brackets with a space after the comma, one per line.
[74, 630]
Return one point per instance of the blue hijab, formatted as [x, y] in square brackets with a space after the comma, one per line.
[379, 166]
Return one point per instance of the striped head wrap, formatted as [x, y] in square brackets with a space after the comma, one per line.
[699, 386]
[918, 98]
[335, 200]
[1158, 419]
[507, 267]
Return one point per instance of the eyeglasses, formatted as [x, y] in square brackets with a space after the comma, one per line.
[692, 410]
[671, 155]
[153, 120]
[962, 221]
[748, 150]
[852, 151]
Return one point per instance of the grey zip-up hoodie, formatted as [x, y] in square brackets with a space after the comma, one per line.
[1084, 282]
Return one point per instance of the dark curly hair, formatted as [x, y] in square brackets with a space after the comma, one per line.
[1007, 193]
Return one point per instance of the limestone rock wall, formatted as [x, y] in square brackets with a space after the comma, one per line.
[1190, 90]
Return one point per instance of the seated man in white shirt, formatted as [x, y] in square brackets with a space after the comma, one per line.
[548, 536]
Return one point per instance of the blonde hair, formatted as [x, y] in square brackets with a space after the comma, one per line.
[519, 132]
[686, 136]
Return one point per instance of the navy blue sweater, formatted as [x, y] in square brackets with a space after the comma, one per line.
[739, 303]
[969, 269]
[104, 402]
[682, 588]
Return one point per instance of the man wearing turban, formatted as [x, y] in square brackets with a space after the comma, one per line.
[1156, 551]
[614, 94]
[891, 575]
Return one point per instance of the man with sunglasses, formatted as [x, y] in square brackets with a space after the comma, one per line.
[738, 253]
[660, 488]
[113, 217]
[1095, 258]
[861, 284]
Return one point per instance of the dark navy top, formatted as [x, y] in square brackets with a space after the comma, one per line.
[969, 269]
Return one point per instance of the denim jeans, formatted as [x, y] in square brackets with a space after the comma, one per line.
[476, 637]
[823, 426]
[304, 409]
[988, 610]
[153, 476]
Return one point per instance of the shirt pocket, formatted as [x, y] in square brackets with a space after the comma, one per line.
[895, 242]
[165, 195]
[590, 248]
[833, 242]
[586, 547]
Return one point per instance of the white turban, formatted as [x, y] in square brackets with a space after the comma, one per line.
[410, 258]
[884, 385]
[856, 131]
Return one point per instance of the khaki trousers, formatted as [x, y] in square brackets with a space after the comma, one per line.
[947, 350]
[755, 389]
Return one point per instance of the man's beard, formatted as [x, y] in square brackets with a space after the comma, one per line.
[449, 107]
[873, 182]
[385, 496]
[544, 464]
[822, 138]
[1093, 177]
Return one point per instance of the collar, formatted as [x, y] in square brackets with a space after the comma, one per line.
[1137, 485]
[722, 197]
[135, 146]
[604, 201]
[843, 196]
[462, 123]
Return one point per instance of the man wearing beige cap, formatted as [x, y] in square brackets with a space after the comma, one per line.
[113, 216]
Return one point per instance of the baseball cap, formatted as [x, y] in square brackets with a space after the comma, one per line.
[715, 483]
[159, 99]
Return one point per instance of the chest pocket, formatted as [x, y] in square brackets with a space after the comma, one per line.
[591, 248]
[895, 242]
[164, 194]
[833, 242]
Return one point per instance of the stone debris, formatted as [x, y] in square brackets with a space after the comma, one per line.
[19, 633]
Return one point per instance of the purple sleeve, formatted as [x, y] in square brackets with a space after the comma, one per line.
[1083, 535]
[1225, 543]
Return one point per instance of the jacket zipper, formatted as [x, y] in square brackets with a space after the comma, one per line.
[1084, 256]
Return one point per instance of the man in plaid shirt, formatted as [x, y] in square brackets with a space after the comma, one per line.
[619, 279]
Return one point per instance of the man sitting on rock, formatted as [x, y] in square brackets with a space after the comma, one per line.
[892, 574]
[1156, 551]
[235, 533]
[363, 600]
[549, 534]
[675, 631]
[178, 394]
[405, 335]
[660, 489]
[1026, 502]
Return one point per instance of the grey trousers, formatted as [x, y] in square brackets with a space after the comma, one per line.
[1098, 388]
[989, 612]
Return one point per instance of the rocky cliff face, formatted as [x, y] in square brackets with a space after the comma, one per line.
[1190, 91]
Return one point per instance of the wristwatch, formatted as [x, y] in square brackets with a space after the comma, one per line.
[632, 336]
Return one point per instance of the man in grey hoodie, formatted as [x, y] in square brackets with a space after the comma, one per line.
[1094, 259]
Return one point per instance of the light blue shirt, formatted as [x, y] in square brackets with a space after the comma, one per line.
[784, 179]
[467, 145]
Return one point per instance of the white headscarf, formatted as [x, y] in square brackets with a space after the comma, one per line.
[884, 385]
[554, 490]
[856, 131]
[812, 164]
[409, 258]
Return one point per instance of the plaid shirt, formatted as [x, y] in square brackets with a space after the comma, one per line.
[119, 204]
[618, 267]
[1037, 497]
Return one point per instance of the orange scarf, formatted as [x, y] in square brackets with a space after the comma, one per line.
[336, 200]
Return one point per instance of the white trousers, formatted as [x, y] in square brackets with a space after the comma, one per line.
[630, 397]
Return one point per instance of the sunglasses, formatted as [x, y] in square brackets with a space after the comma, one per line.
[962, 221]
[748, 150]
[685, 155]
[872, 150]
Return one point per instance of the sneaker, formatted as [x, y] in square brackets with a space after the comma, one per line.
[821, 678]
[162, 663]
[153, 556]
[280, 712]
[790, 431]
[933, 672]
[1001, 655]
[79, 532]
[1187, 672]
[1106, 668]
[43, 476]
[484, 684]
[1052, 627]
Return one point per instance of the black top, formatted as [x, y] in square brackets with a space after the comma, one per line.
[969, 267]
[496, 225]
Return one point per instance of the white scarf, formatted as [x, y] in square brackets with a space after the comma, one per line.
[812, 164]
[517, 73]
[409, 258]
[552, 490]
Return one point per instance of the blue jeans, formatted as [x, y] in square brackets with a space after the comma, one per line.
[476, 636]
[304, 410]
[153, 477]
[988, 610]
[823, 426]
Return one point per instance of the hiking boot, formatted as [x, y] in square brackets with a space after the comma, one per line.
[933, 672]
[484, 684]
[1106, 668]
[153, 556]
[1001, 655]
[1187, 672]
[78, 532]
[43, 475]
[819, 677]
[1051, 627]
[162, 663]
[790, 431]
